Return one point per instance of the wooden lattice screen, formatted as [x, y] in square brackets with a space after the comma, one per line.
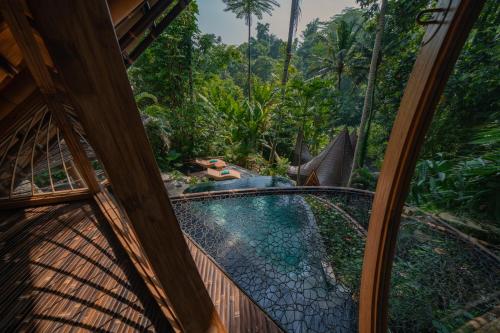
[35, 161]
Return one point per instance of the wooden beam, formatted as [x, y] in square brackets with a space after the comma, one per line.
[144, 23]
[74, 145]
[7, 67]
[81, 39]
[440, 49]
[121, 9]
[21, 114]
[156, 31]
[13, 13]
[15, 92]
[128, 239]
[45, 199]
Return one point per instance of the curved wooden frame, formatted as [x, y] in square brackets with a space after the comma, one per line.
[427, 81]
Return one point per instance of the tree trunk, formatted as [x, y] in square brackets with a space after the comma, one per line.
[249, 59]
[291, 30]
[363, 145]
[299, 165]
[288, 57]
[300, 154]
[340, 70]
[369, 90]
[190, 73]
[273, 151]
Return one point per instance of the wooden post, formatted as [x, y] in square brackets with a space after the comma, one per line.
[440, 49]
[46, 199]
[81, 39]
[122, 229]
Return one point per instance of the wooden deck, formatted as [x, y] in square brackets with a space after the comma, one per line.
[238, 312]
[63, 269]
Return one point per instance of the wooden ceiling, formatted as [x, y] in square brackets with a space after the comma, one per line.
[22, 80]
[133, 20]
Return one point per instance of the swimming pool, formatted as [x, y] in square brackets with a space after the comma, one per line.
[271, 247]
[250, 182]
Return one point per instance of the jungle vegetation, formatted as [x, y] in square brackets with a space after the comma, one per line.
[246, 102]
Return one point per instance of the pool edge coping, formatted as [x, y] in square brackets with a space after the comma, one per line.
[272, 190]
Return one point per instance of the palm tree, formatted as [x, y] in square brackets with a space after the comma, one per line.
[292, 29]
[370, 87]
[341, 44]
[302, 101]
[246, 9]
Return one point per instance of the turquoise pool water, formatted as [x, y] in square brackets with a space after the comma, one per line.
[250, 182]
[270, 246]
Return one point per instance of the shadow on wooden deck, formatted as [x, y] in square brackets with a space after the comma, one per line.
[62, 268]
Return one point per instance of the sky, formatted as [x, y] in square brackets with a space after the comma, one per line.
[213, 19]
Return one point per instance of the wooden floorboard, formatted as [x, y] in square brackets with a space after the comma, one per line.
[228, 298]
[62, 269]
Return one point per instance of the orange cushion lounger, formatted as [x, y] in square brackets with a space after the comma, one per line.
[211, 164]
[223, 175]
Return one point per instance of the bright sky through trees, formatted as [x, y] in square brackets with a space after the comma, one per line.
[213, 18]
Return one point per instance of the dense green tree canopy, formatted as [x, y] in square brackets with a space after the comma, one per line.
[196, 87]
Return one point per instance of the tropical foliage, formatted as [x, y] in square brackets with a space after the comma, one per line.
[205, 98]
[246, 9]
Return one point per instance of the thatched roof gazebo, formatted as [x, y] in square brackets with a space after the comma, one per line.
[331, 167]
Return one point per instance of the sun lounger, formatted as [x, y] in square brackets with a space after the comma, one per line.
[223, 175]
[211, 164]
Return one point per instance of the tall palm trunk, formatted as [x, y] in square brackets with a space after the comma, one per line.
[339, 77]
[249, 59]
[291, 30]
[370, 87]
[294, 13]
[301, 143]
[190, 71]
